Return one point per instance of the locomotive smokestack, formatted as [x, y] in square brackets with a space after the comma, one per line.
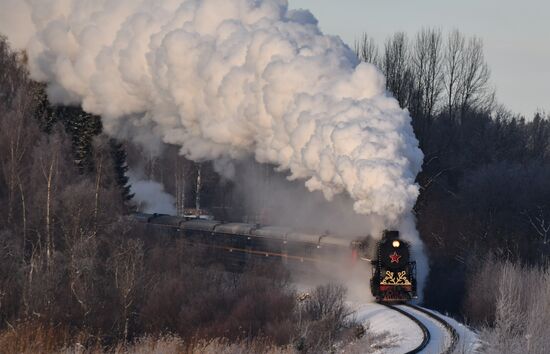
[390, 234]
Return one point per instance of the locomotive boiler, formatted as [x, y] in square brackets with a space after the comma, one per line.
[393, 272]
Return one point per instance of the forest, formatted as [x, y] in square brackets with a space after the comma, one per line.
[484, 206]
[484, 181]
[73, 271]
[76, 275]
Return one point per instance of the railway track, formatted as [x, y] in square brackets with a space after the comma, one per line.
[426, 334]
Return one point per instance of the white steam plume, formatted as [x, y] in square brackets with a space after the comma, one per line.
[289, 204]
[228, 79]
[150, 196]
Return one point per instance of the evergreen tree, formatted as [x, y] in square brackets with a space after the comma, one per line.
[118, 155]
[82, 127]
[44, 112]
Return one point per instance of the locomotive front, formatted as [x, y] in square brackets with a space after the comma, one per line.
[394, 274]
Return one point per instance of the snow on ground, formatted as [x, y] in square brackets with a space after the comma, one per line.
[469, 340]
[440, 338]
[407, 335]
[404, 334]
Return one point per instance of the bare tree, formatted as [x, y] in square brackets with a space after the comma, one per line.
[453, 62]
[474, 90]
[82, 273]
[17, 105]
[522, 308]
[323, 314]
[78, 224]
[539, 137]
[50, 171]
[540, 223]
[13, 76]
[183, 170]
[428, 68]
[18, 135]
[396, 66]
[128, 269]
[466, 76]
[198, 189]
[53, 169]
[367, 50]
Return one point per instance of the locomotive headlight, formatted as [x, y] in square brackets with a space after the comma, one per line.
[395, 244]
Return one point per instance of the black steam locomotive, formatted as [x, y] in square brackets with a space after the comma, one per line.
[394, 273]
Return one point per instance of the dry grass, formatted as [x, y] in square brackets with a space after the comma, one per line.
[219, 346]
[37, 338]
[174, 345]
[34, 338]
[371, 342]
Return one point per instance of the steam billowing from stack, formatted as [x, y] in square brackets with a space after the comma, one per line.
[228, 79]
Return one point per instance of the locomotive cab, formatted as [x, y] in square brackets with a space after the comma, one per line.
[394, 273]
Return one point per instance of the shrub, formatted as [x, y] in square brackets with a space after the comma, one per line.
[520, 305]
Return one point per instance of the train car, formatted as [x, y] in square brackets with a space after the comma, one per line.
[158, 227]
[394, 272]
[256, 240]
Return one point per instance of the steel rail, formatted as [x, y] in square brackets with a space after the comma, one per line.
[452, 331]
[425, 332]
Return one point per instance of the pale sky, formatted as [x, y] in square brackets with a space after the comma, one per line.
[516, 35]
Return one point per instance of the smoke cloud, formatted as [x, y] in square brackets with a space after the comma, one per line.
[150, 197]
[273, 200]
[229, 78]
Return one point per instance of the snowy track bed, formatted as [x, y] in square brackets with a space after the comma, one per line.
[467, 340]
[405, 335]
[443, 337]
[413, 329]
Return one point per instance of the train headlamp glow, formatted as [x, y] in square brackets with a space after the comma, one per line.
[395, 244]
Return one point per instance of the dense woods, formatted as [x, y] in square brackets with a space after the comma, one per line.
[485, 181]
[73, 269]
[76, 274]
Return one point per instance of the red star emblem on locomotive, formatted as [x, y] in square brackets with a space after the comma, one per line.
[395, 257]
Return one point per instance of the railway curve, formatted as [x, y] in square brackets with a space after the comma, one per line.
[427, 335]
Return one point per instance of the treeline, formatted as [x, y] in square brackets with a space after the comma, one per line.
[63, 195]
[485, 182]
[432, 74]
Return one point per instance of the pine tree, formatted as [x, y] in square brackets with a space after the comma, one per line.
[82, 127]
[118, 155]
[45, 112]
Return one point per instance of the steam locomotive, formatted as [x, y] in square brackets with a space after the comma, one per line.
[394, 273]
[393, 276]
